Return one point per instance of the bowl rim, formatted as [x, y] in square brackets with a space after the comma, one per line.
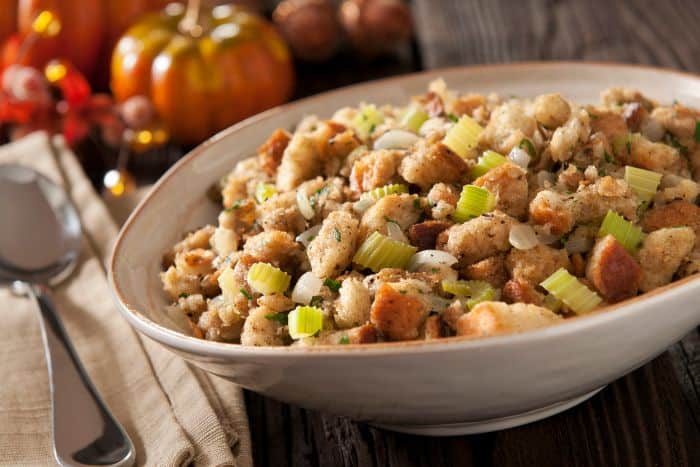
[568, 326]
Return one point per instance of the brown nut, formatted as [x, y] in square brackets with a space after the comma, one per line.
[376, 27]
[310, 27]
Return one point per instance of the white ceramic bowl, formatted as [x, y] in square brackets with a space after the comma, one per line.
[451, 386]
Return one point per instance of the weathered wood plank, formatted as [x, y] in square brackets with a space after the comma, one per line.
[638, 420]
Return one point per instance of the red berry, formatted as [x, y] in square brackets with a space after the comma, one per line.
[75, 128]
[137, 111]
[8, 76]
[25, 84]
[73, 85]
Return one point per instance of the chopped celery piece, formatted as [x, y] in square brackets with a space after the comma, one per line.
[473, 202]
[463, 136]
[414, 118]
[481, 292]
[267, 279]
[625, 232]
[379, 251]
[304, 321]
[474, 291]
[527, 145]
[571, 291]
[456, 287]
[367, 120]
[552, 302]
[385, 190]
[489, 160]
[265, 191]
[644, 183]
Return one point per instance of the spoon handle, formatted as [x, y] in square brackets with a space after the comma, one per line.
[84, 431]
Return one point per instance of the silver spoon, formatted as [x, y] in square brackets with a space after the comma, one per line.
[39, 247]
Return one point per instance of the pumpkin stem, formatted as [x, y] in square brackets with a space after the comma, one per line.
[190, 22]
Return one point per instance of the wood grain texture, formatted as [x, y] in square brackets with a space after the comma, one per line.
[651, 416]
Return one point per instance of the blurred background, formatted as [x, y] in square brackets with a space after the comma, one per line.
[134, 84]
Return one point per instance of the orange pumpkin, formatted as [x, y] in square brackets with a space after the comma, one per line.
[204, 69]
[89, 30]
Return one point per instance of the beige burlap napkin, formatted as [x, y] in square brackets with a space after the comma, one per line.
[175, 414]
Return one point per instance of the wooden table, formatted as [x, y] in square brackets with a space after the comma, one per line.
[649, 417]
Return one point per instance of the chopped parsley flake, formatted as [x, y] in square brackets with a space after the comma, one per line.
[371, 129]
[417, 204]
[246, 294]
[332, 284]
[336, 234]
[452, 117]
[183, 295]
[608, 158]
[389, 219]
[697, 132]
[234, 206]
[344, 340]
[529, 147]
[279, 317]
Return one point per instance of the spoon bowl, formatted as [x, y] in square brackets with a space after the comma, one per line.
[41, 243]
[39, 247]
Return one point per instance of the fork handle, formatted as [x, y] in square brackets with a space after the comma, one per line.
[84, 431]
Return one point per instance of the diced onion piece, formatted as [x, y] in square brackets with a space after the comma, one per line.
[396, 139]
[481, 292]
[523, 237]
[433, 124]
[414, 118]
[378, 252]
[428, 259]
[552, 302]
[644, 183]
[463, 136]
[304, 204]
[267, 279]
[395, 233]
[307, 287]
[652, 129]
[386, 190]
[264, 191]
[306, 236]
[304, 321]
[625, 232]
[520, 157]
[473, 202]
[489, 160]
[571, 291]
[458, 288]
[367, 120]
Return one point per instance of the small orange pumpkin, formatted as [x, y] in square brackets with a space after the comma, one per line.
[204, 69]
[88, 31]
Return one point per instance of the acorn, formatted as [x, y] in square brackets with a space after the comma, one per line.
[376, 27]
[310, 27]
